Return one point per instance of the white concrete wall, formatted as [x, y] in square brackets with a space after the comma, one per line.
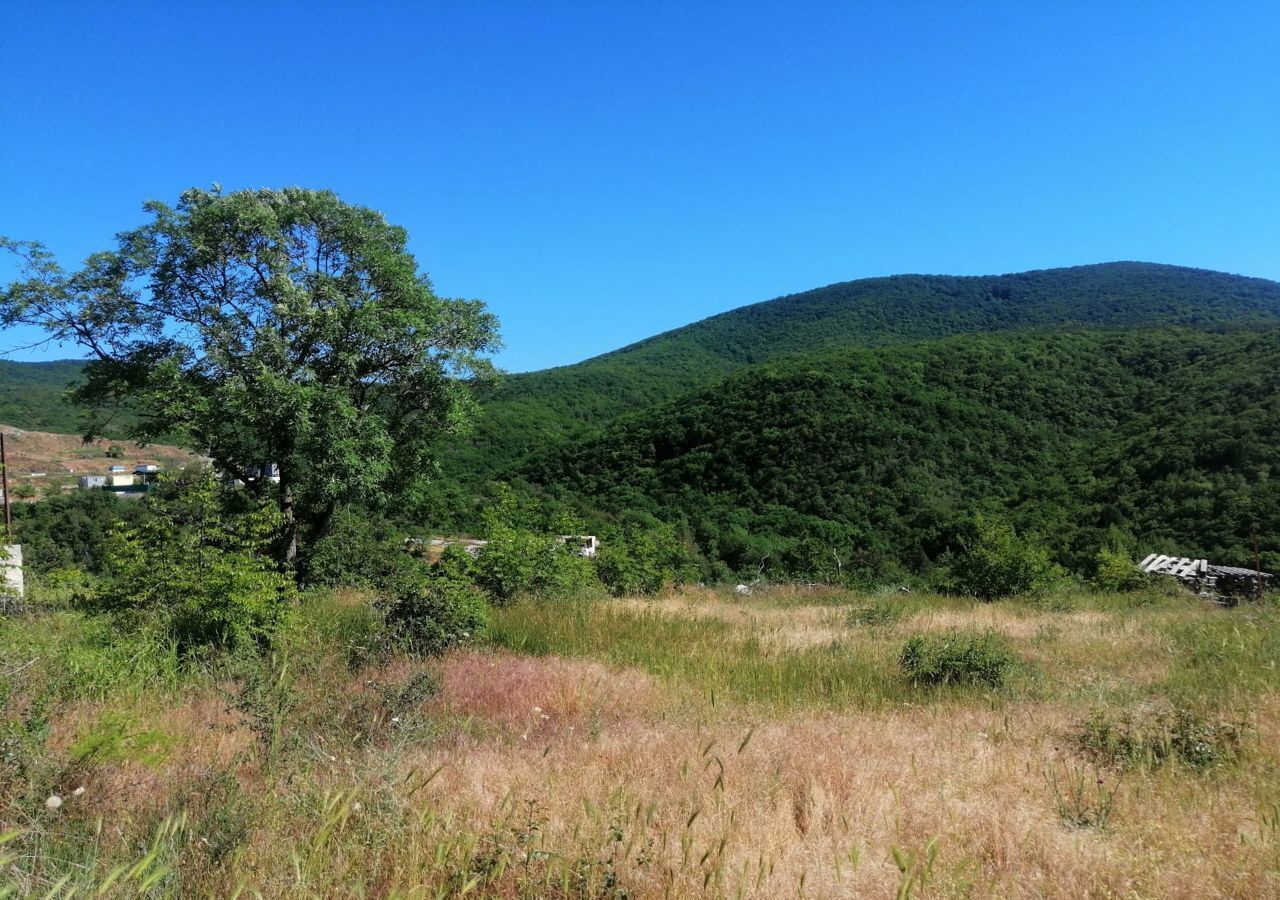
[11, 561]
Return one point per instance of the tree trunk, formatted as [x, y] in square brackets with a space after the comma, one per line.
[289, 527]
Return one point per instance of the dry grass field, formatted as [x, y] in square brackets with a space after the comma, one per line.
[698, 744]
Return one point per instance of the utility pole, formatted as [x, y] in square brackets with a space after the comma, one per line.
[4, 484]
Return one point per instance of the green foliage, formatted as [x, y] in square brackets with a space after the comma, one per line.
[196, 573]
[868, 462]
[70, 531]
[1117, 573]
[431, 614]
[360, 549]
[641, 560]
[525, 553]
[1154, 735]
[268, 327]
[516, 562]
[957, 657]
[993, 562]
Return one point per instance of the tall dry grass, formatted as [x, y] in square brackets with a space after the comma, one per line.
[688, 747]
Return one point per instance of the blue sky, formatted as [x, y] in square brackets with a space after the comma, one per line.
[599, 172]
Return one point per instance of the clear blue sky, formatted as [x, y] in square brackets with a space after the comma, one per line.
[599, 172]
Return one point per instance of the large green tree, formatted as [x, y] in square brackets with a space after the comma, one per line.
[268, 327]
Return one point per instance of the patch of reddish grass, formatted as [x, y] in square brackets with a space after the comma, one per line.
[542, 694]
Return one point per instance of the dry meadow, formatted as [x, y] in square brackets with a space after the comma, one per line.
[695, 745]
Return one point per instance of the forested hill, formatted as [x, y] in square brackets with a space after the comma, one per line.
[1162, 440]
[33, 395]
[874, 312]
[531, 409]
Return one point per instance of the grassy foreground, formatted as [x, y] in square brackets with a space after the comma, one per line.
[698, 744]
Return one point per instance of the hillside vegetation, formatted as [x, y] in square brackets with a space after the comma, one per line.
[872, 459]
[181, 715]
[854, 430]
[532, 409]
[33, 395]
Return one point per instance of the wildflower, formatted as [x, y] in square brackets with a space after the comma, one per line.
[357, 806]
[54, 801]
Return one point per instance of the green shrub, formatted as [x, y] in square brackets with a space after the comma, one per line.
[358, 551]
[195, 573]
[1116, 573]
[876, 612]
[517, 561]
[430, 615]
[457, 564]
[959, 657]
[993, 562]
[641, 561]
[1152, 737]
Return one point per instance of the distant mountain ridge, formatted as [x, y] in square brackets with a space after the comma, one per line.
[533, 409]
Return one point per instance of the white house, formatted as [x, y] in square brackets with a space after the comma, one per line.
[587, 545]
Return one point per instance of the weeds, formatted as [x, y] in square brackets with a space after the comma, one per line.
[265, 698]
[979, 658]
[1153, 736]
[880, 611]
[915, 866]
[1082, 797]
[630, 784]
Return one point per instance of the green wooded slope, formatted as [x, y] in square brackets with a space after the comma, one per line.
[532, 409]
[1168, 438]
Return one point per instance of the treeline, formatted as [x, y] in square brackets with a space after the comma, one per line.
[869, 464]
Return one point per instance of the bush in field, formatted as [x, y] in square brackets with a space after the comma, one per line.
[1152, 737]
[457, 564]
[431, 614]
[196, 572]
[1117, 573]
[517, 561]
[357, 551]
[993, 562]
[524, 553]
[880, 611]
[959, 657]
[641, 561]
